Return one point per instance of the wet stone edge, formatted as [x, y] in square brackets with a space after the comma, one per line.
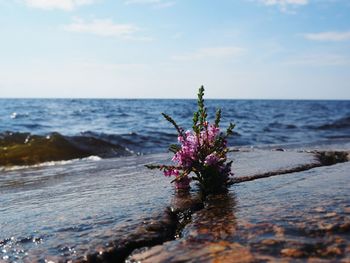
[168, 224]
[324, 158]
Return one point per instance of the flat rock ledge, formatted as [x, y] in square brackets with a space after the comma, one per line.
[302, 215]
[282, 206]
[158, 229]
[236, 227]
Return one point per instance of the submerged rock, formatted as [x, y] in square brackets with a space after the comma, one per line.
[104, 211]
[26, 149]
[302, 216]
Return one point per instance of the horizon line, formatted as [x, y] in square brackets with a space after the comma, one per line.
[167, 98]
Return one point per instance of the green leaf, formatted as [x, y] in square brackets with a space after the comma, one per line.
[154, 166]
[200, 98]
[174, 148]
[202, 111]
[217, 117]
[230, 128]
[195, 122]
[161, 167]
[169, 119]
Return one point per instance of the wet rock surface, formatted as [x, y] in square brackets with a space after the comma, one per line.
[256, 162]
[153, 231]
[301, 217]
[104, 211]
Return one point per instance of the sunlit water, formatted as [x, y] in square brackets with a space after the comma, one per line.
[138, 125]
[300, 217]
[66, 208]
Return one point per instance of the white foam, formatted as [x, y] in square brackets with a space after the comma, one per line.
[50, 163]
[14, 115]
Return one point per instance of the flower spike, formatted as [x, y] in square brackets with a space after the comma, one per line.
[202, 151]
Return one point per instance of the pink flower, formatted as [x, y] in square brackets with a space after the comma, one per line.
[170, 172]
[209, 135]
[189, 150]
[202, 151]
[211, 160]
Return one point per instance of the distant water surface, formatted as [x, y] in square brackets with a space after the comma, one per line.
[137, 125]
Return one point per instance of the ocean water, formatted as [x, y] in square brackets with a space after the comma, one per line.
[114, 127]
[64, 209]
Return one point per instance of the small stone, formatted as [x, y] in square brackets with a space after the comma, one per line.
[333, 214]
[320, 210]
[292, 252]
[325, 226]
[235, 253]
[339, 240]
[203, 231]
[279, 231]
[147, 254]
[217, 247]
[332, 251]
[317, 260]
[269, 242]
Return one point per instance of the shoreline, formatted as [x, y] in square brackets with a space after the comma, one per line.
[45, 151]
[151, 242]
[141, 240]
[214, 233]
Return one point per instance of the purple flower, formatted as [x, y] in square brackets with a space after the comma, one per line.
[211, 160]
[202, 151]
[189, 150]
[170, 172]
[213, 133]
[209, 135]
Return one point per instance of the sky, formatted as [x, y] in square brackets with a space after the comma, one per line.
[237, 49]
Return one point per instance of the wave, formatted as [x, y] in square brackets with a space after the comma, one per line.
[27, 149]
[15, 115]
[342, 123]
[91, 158]
[148, 142]
[279, 126]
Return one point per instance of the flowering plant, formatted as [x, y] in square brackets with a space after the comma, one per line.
[202, 151]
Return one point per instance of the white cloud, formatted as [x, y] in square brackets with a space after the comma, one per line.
[318, 60]
[285, 2]
[153, 3]
[105, 28]
[142, 1]
[212, 52]
[328, 36]
[286, 6]
[66, 5]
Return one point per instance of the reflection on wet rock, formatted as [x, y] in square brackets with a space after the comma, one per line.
[299, 217]
[302, 216]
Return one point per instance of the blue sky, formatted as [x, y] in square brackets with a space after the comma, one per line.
[262, 49]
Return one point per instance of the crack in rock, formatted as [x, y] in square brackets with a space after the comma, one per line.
[325, 158]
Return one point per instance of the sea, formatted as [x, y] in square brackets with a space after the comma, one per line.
[115, 127]
[72, 175]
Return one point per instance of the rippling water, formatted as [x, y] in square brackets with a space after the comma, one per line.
[137, 125]
[66, 209]
[63, 208]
